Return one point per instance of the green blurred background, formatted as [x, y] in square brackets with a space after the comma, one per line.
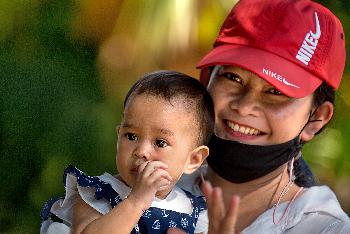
[65, 67]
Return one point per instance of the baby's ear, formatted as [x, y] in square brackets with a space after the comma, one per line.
[196, 158]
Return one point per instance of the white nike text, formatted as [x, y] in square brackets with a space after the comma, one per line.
[309, 45]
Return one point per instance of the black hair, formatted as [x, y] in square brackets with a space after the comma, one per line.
[302, 172]
[323, 94]
[171, 84]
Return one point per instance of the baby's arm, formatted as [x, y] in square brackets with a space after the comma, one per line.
[152, 177]
[121, 219]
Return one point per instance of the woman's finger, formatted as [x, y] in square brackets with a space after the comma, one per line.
[207, 191]
[220, 220]
[229, 221]
[215, 206]
[216, 210]
[206, 188]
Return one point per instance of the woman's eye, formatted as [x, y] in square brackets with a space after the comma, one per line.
[131, 136]
[161, 143]
[232, 76]
[274, 91]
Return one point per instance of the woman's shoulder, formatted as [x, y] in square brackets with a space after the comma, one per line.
[316, 210]
[320, 199]
[317, 222]
[319, 208]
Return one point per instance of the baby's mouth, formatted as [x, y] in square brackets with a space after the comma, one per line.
[135, 169]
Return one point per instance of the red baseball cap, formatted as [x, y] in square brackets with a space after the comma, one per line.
[294, 45]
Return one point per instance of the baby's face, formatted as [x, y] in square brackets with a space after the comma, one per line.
[153, 129]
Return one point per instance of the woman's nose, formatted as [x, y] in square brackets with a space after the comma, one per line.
[246, 104]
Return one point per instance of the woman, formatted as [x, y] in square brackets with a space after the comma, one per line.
[272, 75]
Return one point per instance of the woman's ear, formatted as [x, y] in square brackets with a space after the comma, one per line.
[323, 114]
[196, 158]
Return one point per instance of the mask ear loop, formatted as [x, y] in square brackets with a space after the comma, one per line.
[312, 113]
[296, 152]
[292, 176]
[284, 191]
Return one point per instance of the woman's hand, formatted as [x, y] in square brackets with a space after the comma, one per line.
[220, 220]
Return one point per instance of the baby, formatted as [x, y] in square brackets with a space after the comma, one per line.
[167, 122]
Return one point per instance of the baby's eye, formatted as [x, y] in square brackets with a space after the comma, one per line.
[232, 76]
[131, 136]
[161, 143]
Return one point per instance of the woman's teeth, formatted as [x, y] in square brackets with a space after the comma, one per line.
[244, 130]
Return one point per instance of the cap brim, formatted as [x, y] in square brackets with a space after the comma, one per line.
[288, 77]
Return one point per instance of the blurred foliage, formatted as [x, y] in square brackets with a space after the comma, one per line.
[66, 66]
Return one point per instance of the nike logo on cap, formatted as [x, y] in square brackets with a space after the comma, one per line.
[278, 77]
[309, 45]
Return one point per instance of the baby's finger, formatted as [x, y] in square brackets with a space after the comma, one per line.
[159, 173]
[152, 166]
[162, 184]
[146, 169]
[158, 164]
[142, 167]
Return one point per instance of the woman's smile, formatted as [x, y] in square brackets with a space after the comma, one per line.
[243, 129]
[238, 132]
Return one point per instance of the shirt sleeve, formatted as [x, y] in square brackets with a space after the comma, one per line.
[318, 222]
[49, 227]
[338, 227]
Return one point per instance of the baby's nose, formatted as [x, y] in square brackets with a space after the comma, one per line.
[143, 151]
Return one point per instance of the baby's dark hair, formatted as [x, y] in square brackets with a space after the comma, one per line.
[172, 84]
[302, 172]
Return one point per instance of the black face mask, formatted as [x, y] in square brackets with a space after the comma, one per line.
[239, 163]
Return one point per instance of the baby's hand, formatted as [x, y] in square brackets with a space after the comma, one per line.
[152, 177]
